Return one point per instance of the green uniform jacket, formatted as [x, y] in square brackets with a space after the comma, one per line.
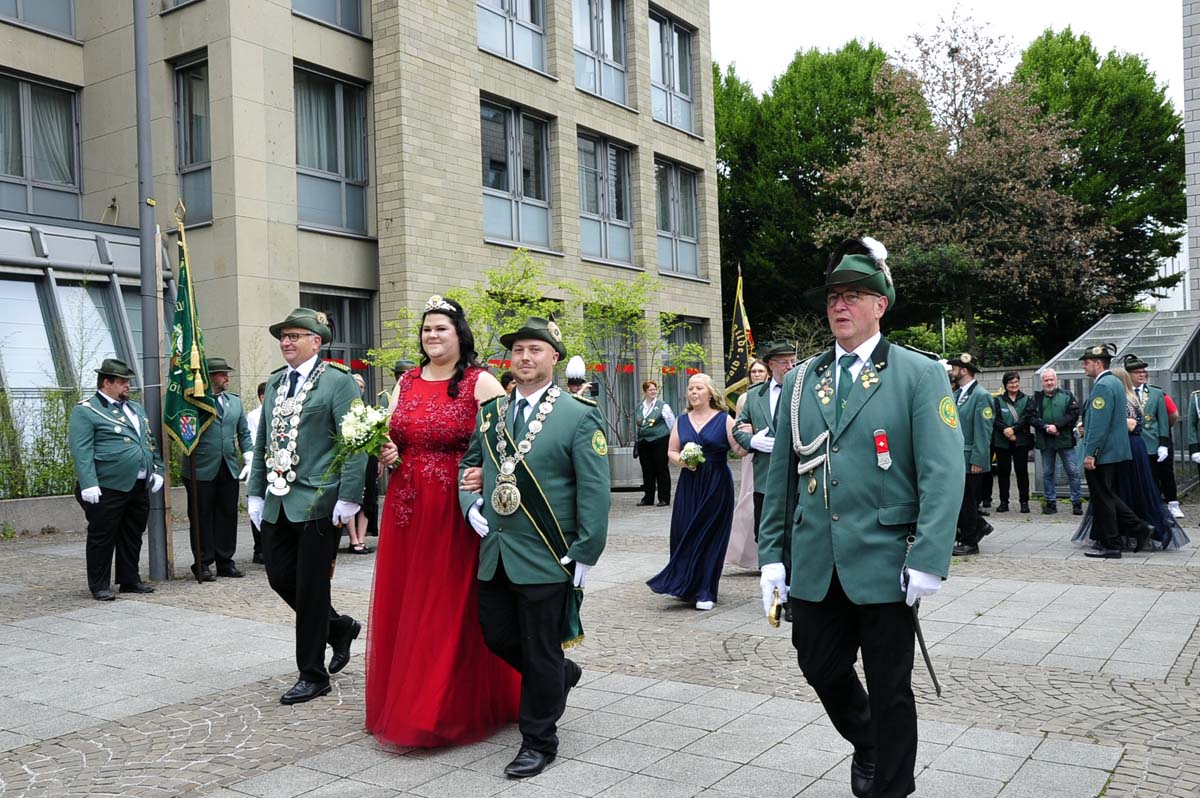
[651, 427]
[1011, 414]
[313, 494]
[1193, 427]
[1105, 436]
[1156, 428]
[569, 460]
[1059, 409]
[107, 450]
[871, 511]
[223, 441]
[757, 411]
[977, 413]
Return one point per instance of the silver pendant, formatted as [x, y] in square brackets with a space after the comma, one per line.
[279, 487]
[524, 446]
[507, 468]
[287, 407]
[545, 407]
[283, 459]
[506, 498]
[535, 426]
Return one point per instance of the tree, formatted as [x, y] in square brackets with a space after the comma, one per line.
[1130, 172]
[773, 156]
[961, 185]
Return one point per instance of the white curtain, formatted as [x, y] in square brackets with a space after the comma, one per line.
[316, 122]
[354, 105]
[53, 134]
[195, 86]
[10, 128]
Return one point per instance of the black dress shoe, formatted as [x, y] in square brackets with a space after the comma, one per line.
[1103, 553]
[1077, 508]
[1002, 507]
[341, 649]
[136, 587]
[231, 571]
[645, 503]
[987, 530]
[528, 763]
[304, 691]
[1049, 508]
[572, 673]
[962, 550]
[1143, 539]
[664, 503]
[257, 559]
[787, 612]
[103, 595]
[1024, 507]
[862, 776]
[206, 574]
[986, 504]
[984, 512]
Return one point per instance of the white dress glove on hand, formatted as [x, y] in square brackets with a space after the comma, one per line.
[248, 458]
[920, 584]
[581, 571]
[344, 512]
[476, 519]
[1162, 453]
[772, 578]
[156, 483]
[254, 508]
[92, 495]
[1196, 458]
[762, 441]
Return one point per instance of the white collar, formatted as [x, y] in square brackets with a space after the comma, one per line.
[863, 350]
[968, 385]
[108, 399]
[305, 368]
[1101, 374]
[531, 399]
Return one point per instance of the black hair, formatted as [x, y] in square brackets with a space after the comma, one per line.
[262, 390]
[1010, 375]
[506, 379]
[100, 380]
[849, 246]
[467, 356]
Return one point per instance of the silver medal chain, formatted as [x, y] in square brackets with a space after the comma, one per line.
[508, 465]
[285, 430]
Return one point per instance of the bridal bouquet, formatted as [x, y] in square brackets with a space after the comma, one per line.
[691, 455]
[364, 430]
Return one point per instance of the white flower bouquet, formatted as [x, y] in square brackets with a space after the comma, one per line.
[691, 455]
[364, 430]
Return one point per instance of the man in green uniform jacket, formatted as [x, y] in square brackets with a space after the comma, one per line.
[1156, 431]
[117, 466]
[866, 479]
[217, 459]
[297, 500]
[1105, 447]
[978, 414]
[755, 428]
[543, 517]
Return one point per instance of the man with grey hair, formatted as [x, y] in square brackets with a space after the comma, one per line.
[1055, 412]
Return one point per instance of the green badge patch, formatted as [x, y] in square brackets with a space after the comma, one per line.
[599, 444]
[1098, 403]
[948, 412]
[987, 413]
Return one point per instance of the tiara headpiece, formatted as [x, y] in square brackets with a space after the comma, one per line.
[436, 302]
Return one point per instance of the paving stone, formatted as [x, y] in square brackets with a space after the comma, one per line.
[458, 783]
[348, 788]
[971, 762]
[640, 786]
[586, 698]
[944, 784]
[456, 755]
[801, 759]
[603, 724]
[700, 717]
[690, 769]
[1088, 755]
[285, 782]
[756, 782]
[402, 773]
[997, 742]
[730, 699]
[664, 735]
[347, 759]
[740, 748]
[675, 691]
[579, 778]
[621, 683]
[1051, 780]
[624, 755]
[640, 706]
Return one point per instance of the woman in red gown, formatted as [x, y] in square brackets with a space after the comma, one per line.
[431, 681]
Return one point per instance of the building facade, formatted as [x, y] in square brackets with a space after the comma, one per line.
[359, 155]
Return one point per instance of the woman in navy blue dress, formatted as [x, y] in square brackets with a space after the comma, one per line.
[703, 511]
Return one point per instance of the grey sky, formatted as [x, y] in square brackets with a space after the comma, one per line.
[761, 36]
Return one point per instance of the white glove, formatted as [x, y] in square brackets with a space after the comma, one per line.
[1196, 458]
[254, 508]
[1162, 453]
[581, 571]
[92, 495]
[476, 519]
[344, 512]
[920, 584]
[773, 578]
[762, 441]
[156, 483]
[248, 457]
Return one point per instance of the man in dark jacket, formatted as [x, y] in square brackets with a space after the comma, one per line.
[1012, 439]
[1054, 415]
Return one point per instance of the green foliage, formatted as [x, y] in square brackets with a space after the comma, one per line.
[7, 531]
[35, 458]
[995, 349]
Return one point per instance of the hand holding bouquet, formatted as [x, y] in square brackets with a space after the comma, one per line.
[691, 455]
[364, 430]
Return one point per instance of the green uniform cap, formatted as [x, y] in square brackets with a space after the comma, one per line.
[1132, 362]
[306, 319]
[402, 366]
[539, 329]
[775, 348]
[967, 361]
[111, 367]
[217, 365]
[856, 271]
[1103, 352]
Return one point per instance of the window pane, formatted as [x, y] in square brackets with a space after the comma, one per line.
[87, 328]
[613, 30]
[498, 217]
[51, 202]
[659, 104]
[666, 252]
[681, 112]
[582, 22]
[13, 197]
[319, 200]
[321, 9]
[197, 195]
[687, 203]
[494, 134]
[50, 14]
[683, 61]
[657, 51]
[527, 47]
[25, 357]
[619, 243]
[533, 158]
[8, 8]
[193, 109]
[53, 134]
[589, 177]
[687, 257]
[132, 299]
[585, 71]
[356, 208]
[662, 184]
[535, 224]
[591, 237]
[354, 106]
[10, 128]
[351, 15]
[493, 31]
[614, 83]
[316, 122]
[529, 11]
[618, 183]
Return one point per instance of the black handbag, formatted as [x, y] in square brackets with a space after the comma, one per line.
[635, 449]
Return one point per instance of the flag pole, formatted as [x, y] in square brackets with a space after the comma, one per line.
[193, 490]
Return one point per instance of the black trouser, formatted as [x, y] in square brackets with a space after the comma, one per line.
[258, 548]
[370, 502]
[655, 469]
[522, 624]
[970, 522]
[1112, 519]
[881, 720]
[300, 559]
[1164, 474]
[1016, 457]
[215, 508]
[758, 505]
[983, 491]
[117, 522]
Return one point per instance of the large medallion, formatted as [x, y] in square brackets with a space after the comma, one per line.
[506, 498]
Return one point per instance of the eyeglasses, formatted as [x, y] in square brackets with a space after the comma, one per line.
[294, 337]
[851, 298]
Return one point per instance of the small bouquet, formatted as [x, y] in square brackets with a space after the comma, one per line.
[691, 455]
[364, 430]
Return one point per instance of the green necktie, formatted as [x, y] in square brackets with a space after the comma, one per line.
[845, 381]
[518, 427]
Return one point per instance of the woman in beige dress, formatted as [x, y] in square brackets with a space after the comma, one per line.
[743, 550]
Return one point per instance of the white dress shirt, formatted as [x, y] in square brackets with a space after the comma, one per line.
[776, 391]
[252, 422]
[668, 416]
[863, 351]
[304, 368]
[533, 400]
[962, 391]
[129, 414]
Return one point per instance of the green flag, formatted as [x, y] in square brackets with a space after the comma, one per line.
[188, 408]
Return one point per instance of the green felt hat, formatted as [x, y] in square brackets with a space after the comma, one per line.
[539, 329]
[306, 319]
[111, 367]
[1132, 362]
[403, 365]
[216, 365]
[1103, 352]
[771, 349]
[856, 271]
[967, 361]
